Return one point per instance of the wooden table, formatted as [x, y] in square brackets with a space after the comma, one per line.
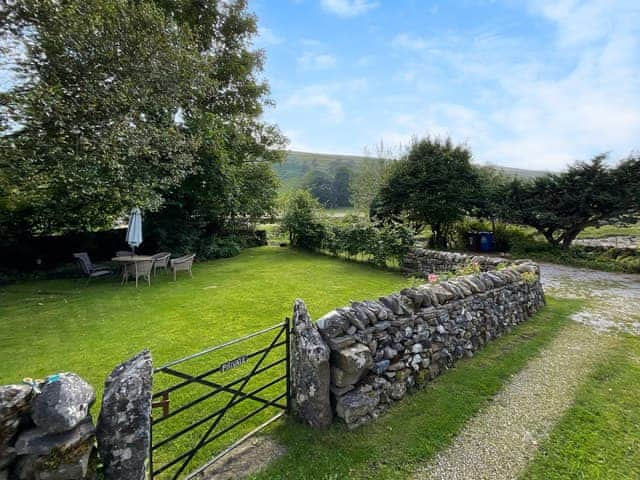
[128, 260]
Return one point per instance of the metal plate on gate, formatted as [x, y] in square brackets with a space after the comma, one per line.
[236, 362]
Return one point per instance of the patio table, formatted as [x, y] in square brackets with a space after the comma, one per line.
[130, 259]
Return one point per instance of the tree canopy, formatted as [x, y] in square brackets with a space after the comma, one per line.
[120, 104]
[588, 194]
[434, 184]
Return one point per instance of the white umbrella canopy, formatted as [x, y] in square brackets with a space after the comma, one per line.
[134, 230]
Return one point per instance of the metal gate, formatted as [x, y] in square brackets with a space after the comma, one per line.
[215, 403]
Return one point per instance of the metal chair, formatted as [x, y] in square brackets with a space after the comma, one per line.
[88, 268]
[182, 264]
[161, 260]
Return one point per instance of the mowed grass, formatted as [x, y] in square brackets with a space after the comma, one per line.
[413, 430]
[67, 325]
[599, 437]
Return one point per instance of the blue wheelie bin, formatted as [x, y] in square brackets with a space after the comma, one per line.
[486, 242]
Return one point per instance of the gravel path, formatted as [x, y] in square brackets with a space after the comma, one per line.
[501, 440]
[613, 298]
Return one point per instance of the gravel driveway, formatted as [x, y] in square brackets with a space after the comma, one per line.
[502, 439]
[614, 298]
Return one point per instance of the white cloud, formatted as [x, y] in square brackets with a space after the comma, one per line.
[266, 36]
[317, 61]
[331, 107]
[409, 41]
[348, 8]
[545, 108]
[324, 102]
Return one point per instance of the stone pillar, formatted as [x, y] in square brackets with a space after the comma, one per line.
[124, 423]
[310, 372]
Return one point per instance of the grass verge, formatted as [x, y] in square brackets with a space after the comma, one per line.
[599, 437]
[413, 430]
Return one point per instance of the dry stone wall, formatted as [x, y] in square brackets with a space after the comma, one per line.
[47, 433]
[421, 261]
[381, 350]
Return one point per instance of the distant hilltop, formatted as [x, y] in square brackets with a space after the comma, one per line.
[297, 164]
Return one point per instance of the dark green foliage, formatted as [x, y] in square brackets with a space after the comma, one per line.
[303, 220]
[320, 185]
[560, 206]
[331, 190]
[90, 128]
[355, 237]
[155, 104]
[506, 237]
[435, 184]
[341, 191]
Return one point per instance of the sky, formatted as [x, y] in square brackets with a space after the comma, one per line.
[533, 84]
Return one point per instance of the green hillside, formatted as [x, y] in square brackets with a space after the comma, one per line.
[297, 164]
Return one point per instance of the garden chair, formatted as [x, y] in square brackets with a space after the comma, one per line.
[139, 269]
[88, 268]
[182, 264]
[161, 260]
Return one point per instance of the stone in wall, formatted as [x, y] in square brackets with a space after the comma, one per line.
[62, 455]
[381, 350]
[14, 406]
[63, 403]
[421, 262]
[309, 370]
[124, 422]
[55, 436]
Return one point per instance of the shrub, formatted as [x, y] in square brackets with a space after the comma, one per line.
[303, 220]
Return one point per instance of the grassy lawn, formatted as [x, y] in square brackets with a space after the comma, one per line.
[599, 437]
[413, 430]
[66, 325]
[610, 231]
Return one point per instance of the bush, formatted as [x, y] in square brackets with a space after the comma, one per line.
[506, 237]
[303, 220]
[354, 236]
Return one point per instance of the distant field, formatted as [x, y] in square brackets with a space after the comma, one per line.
[297, 164]
[610, 231]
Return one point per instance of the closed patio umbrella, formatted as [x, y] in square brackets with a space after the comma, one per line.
[134, 230]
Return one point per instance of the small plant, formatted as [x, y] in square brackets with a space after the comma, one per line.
[530, 277]
[501, 266]
[469, 269]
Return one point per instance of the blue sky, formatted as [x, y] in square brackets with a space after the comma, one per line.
[530, 84]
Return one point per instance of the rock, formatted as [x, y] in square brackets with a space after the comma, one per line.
[356, 404]
[417, 348]
[123, 425]
[398, 390]
[14, 406]
[352, 360]
[390, 353]
[332, 324]
[57, 456]
[394, 367]
[341, 379]
[77, 465]
[380, 367]
[63, 403]
[37, 441]
[338, 343]
[338, 391]
[310, 371]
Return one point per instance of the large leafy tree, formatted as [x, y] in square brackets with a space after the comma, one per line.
[122, 103]
[588, 194]
[435, 185]
[89, 128]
